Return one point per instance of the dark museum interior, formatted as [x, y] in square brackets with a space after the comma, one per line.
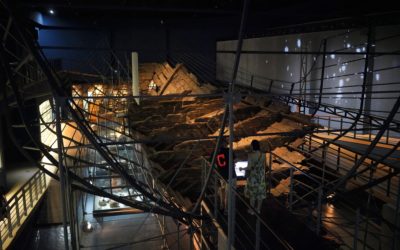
[215, 124]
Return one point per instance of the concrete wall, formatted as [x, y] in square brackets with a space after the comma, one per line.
[343, 73]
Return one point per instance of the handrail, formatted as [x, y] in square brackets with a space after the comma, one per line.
[281, 241]
[20, 205]
[298, 169]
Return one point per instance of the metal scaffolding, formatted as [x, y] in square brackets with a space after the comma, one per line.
[106, 149]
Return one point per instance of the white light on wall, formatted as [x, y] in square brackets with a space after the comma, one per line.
[52, 12]
[287, 68]
[341, 83]
[358, 50]
[348, 45]
[286, 49]
[332, 56]
[298, 43]
[377, 77]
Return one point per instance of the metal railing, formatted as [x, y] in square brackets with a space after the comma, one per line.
[340, 159]
[19, 207]
[367, 133]
[311, 189]
[246, 233]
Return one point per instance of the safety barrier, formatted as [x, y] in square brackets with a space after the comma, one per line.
[247, 234]
[19, 207]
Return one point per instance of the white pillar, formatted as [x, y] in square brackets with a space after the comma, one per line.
[135, 76]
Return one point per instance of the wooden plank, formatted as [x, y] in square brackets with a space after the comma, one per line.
[165, 86]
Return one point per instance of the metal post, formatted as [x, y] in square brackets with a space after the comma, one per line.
[370, 131]
[319, 208]
[72, 219]
[35, 188]
[341, 124]
[17, 210]
[369, 80]
[270, 172]
[291, 91]
[355, 131]
[338, 158]
[30, 193]
[61, 170]
[231, 205]
[201, 229]
[215, 195]
[367, 220]
[321, 85]
[44, 180]
[323, 164]
[371, 173]
[40, 181]
[329, 125]
[389, 182]
[165, 244]
[251, 82]
[257, 234]
[355, 160]
[24, 200]
[10, 226]
[191, 238]
[179, 240]
[356, 229]
[270, 86]
[387, 136]
[396, 223]
[291, 190]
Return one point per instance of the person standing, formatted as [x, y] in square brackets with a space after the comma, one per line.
[256, 187]
[222, 162]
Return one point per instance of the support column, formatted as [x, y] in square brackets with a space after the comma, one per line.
[369, 80]
[62, 171]
[135, 76]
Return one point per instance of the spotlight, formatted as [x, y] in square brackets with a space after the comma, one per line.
[52, 12]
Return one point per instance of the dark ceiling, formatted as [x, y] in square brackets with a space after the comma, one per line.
[212, 7]
[263, 14]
